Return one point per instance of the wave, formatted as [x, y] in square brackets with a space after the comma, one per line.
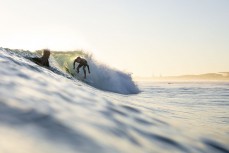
[101, 77]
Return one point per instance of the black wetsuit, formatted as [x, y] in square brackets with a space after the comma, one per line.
[83, 63]
[40, 62]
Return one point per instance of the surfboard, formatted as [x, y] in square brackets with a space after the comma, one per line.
[79, 76]
[67, 70]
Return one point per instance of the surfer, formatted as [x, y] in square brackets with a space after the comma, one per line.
[82, 62]
[43, 61]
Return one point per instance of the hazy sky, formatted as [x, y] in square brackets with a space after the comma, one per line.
[145, 37]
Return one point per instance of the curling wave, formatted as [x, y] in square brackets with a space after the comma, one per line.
[101, 77]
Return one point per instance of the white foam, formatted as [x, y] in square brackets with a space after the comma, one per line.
[108, 79]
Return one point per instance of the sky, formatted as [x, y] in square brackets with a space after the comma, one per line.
[143, 37]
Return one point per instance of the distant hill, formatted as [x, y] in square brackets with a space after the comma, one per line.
[220, 76]
[207, 76]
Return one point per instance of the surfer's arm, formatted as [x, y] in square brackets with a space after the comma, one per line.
[74, 64]
[36, 60]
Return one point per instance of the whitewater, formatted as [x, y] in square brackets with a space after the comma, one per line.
[54, 110]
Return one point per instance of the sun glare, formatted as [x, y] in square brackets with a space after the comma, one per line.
[53, 41]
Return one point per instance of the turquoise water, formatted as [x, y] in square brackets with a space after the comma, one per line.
[49, 111]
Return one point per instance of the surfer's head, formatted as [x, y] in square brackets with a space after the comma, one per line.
[78, 59]
[46, 54]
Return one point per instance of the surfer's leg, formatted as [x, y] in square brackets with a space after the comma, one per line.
[88, 68]
[78, 67]
[84, 71]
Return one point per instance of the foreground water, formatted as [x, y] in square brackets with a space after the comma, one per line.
[44, 111]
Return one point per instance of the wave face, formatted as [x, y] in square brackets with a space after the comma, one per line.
[49, 111]
[101, 77]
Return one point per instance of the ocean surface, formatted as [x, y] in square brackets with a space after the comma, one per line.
[54, 110]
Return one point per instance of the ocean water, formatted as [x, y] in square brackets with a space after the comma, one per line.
[54, 111]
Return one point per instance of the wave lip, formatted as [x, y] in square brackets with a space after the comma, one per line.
[112, 80]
